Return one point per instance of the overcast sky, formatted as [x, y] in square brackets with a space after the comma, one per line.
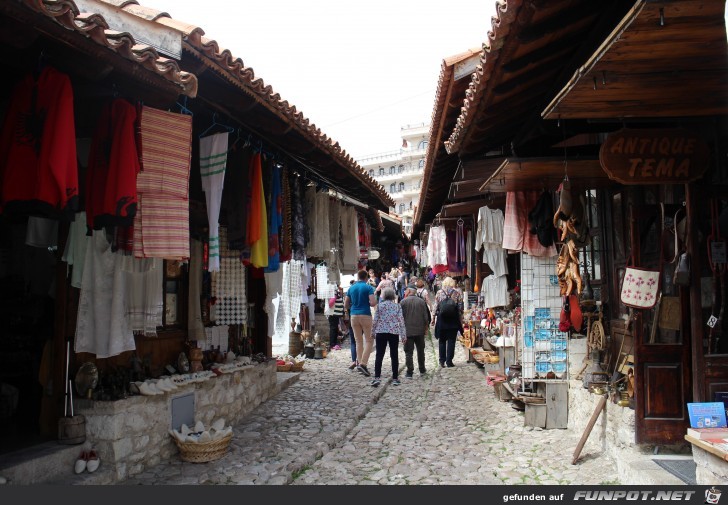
[358, 70]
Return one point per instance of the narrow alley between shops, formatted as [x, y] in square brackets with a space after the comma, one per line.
[446, 427]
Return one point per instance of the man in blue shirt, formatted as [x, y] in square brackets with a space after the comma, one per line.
[359, 300]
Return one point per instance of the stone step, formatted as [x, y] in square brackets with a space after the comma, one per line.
[285, 380]
[40, 463]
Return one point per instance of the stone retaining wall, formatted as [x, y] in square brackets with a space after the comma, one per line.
[132, 435]
[709, 468]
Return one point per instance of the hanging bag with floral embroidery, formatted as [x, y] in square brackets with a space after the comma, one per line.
[640, 287]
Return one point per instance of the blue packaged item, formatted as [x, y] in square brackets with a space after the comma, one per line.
[543, 367]
[558, 345]
[528, 339]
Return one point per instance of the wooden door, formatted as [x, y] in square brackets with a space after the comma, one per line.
[661, 343]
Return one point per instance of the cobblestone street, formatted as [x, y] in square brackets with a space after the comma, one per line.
[332, 427]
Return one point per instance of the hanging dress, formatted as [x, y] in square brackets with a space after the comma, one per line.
[102, 326]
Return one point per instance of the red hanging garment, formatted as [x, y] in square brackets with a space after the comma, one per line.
[38, 165]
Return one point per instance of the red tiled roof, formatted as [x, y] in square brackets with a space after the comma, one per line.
[244, 78]
[95, 27]
[506, 11]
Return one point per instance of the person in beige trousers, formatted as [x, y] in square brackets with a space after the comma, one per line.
[359, 301]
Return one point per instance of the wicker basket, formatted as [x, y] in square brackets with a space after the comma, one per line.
[195, 452]
[297, 366]
[284, 368]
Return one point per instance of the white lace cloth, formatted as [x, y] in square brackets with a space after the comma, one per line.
[102, 327]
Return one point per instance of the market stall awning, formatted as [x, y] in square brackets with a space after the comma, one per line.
[253, 103]
[519, 174]
[665, 59]
[530, 53]
[440, 166]
[392, 226]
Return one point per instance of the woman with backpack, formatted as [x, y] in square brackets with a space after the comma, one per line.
[449, 320]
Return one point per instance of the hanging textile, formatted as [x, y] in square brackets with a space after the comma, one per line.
[144, 294]
[452, 264]
[317, 217]
[287, 223]
[38, 164]
[334, 224]
[322, 282]
[494, 291]
[496, 260]
[236, 195]
[113, 165]
[460, 256]
[195, 325]
[257, 218]
[229, 286]
[469, 253]
[437, 246]
[290, 304]
[102, 326]
[299, 231]
[350, 231]
[489, 234]
[213, 161]
[74, 253]
[273, 286]
[162, 220]
[275, 220]
[516, 230]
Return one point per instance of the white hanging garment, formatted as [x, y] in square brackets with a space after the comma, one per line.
[102, 327]
[496, 260]
[75, 253]
[213, 160]
[350, 231]
[145, 295]
[273, 286]
[494, 291]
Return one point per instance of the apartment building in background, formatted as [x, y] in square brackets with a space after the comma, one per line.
[400, 171]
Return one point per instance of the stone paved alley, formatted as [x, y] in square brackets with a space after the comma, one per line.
[332, 427]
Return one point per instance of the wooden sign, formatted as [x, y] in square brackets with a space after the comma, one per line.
[664, 156]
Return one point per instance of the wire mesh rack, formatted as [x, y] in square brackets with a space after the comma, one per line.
[543, 347]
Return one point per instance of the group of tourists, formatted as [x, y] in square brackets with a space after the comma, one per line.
[384, 312]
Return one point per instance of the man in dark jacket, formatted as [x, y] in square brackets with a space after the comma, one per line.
[417, 320]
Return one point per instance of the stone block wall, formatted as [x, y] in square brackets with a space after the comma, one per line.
[132, 435]
[709, 468]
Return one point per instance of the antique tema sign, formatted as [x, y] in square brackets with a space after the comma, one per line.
[632, 156]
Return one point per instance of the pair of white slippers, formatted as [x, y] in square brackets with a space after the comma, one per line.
[88, 461]
[160, 387]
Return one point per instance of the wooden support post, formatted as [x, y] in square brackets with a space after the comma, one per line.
[588, 429]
